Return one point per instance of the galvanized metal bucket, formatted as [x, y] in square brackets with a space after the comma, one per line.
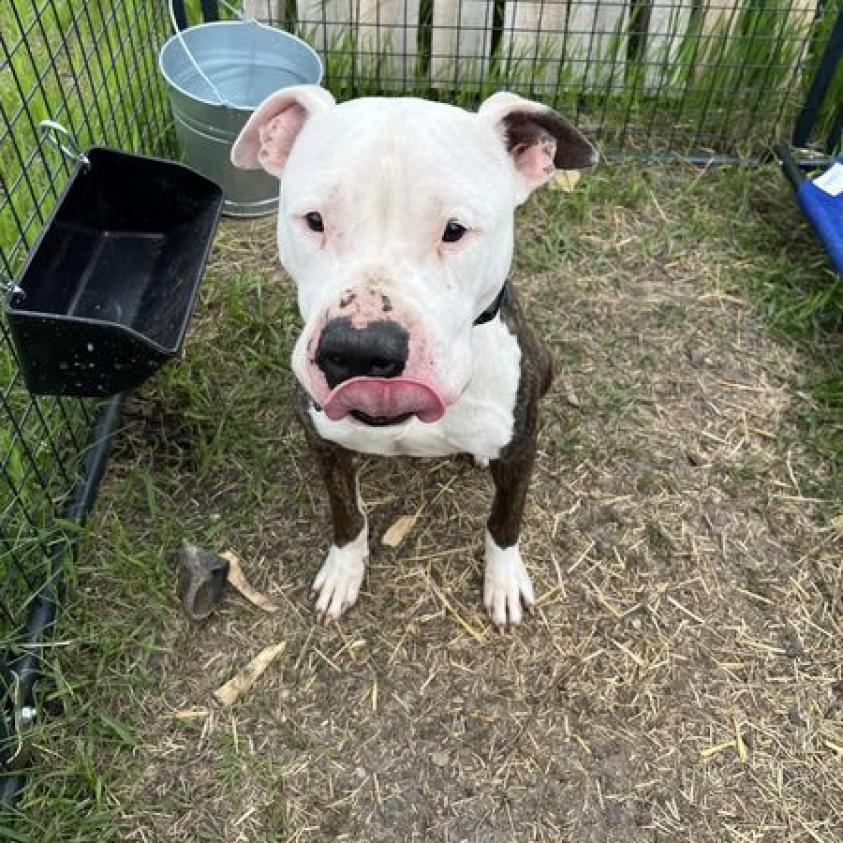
[217, 74]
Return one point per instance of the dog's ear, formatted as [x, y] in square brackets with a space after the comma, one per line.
[268, 137]
[539, 140]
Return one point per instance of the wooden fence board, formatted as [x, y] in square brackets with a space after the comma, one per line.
[718, 15]
[534, 40]
[580, 42]
[387, 35]
[461, 41]
[596, 44]
[379, 35]
[544, 43]
[792, 23]
[324, 22]
[266, 11]
[666, 31]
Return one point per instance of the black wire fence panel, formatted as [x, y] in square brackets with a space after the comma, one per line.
[90, 65]
[684, 75]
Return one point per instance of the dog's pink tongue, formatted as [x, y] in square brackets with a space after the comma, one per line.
[385, 398]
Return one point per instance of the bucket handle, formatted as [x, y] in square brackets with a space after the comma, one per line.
[244, 18]
[63, 140]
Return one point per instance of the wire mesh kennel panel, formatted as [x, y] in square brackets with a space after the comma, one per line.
[725, 76]
[92, 67]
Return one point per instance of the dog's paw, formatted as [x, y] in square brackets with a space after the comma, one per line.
[506, 585]
[338, 582]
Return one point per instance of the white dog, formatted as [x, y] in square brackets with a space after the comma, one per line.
[396, 224]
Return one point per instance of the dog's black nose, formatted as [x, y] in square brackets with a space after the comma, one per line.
[379, 350]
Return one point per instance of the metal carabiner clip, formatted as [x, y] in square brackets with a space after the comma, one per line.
[10, 291]
[56, 134]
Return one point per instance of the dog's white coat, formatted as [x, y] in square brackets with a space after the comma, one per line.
[339, 579]
[386, 176]
[506, 584]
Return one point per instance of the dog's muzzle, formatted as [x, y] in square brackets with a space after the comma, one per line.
[364, 368]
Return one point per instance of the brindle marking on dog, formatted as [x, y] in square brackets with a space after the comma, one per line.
[526, 129]
[512, 470]
[339, 468]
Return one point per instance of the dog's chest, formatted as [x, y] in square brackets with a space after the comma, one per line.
[480, 423]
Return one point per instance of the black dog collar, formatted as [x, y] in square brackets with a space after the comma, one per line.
[494, 308]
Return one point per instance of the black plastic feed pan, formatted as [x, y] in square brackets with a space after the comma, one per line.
[107, 291]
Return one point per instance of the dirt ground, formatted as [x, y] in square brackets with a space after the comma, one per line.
[682, 677]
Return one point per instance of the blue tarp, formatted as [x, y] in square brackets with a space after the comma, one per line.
[825, 212]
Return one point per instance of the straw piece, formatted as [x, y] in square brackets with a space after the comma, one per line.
[565, 180]
[714, 750]
[238, 579]
[238, 685]
[189, 713]
[399, 530]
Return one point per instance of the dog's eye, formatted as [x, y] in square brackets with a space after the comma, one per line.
[314, 221]
[453, 232]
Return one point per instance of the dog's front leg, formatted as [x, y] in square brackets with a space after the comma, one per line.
[506, 583]
[338, 582]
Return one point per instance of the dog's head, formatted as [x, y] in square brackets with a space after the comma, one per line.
[396, 223]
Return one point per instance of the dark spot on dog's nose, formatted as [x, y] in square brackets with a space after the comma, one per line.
[379, 350]
[386, 303]
[347, 299]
